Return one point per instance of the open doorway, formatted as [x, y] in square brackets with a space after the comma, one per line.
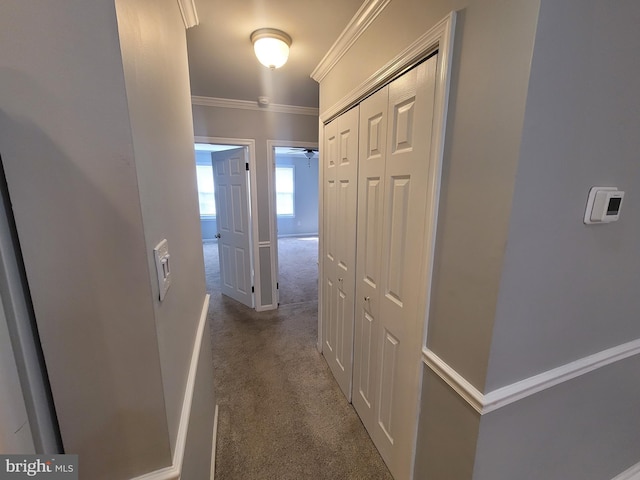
[296, 217]
[223, 190]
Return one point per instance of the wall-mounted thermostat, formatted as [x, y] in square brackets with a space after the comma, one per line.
[161, 255]
[603, 205]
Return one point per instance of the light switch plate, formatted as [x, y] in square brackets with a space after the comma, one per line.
[163, 267]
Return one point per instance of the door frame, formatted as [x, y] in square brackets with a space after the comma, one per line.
[273, 217]
[251, 146]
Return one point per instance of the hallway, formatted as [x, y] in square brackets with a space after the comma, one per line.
[281, 414]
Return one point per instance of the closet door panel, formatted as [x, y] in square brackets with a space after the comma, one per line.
[404, 228]
[372, 152]
[341, 189]
[329, 206]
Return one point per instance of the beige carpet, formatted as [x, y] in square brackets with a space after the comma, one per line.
[281, 413]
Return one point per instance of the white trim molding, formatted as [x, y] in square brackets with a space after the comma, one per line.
[456, 381]
[189, 13]
[213, 444]
[174, 471]
[632, 473]
[249, 105]
[439, 38]
[365, 15]
[500, 397]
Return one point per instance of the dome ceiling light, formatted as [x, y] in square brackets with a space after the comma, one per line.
[271, 47]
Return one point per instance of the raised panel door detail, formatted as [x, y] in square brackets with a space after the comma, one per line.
[343, 240]
[364, 378]
[223, 200]
[330, 221]
[329, 312]
[390, 346]
[221, 169]
[331, 152]
[345, 138]
[374, 137]
[238, 214]
[234, 166]
[370, 242]
[403, 118]
[228, 274]
[398, 222]
[241, 284]
[341, 322]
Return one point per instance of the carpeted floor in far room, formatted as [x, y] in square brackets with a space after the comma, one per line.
[281, 414]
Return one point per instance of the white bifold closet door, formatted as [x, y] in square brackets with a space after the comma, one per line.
[340, 205]
[394, 161]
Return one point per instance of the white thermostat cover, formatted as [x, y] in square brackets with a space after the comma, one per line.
[603, 205]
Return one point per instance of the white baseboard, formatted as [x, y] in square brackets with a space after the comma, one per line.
[500, 397]
[174, 471]
[632, 473]
[213, 444]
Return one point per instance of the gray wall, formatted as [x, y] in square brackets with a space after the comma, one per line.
[89, 159]
[569, 290]
[305, 219]
[154, 55]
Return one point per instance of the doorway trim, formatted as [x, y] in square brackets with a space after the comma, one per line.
[273, 220]
[250, 143]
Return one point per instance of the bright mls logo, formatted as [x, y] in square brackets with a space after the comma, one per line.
[52, 467]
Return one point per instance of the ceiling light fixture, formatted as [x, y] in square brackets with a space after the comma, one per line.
[271, 47]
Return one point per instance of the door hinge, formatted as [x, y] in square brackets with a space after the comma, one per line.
[253, 289]
[247, 165]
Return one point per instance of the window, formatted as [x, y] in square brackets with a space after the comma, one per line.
[284, 191]
[205, 191]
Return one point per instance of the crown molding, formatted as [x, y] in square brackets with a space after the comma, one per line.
[500, 397]
[189, 13]
[367, 13]
[249, 105]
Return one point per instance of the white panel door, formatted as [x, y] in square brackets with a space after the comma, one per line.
[230, 179]
[340, 207]
[388, 338]
[371, 167]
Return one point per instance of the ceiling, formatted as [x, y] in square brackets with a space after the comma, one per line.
[221, 59]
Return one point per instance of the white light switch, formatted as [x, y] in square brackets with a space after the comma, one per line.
[163, 267]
